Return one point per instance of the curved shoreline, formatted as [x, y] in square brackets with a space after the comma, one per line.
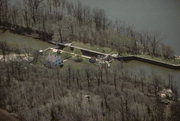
[149, 61]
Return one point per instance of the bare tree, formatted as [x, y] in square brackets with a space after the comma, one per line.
[154, 43]
[167, 52]
[88, 76]
[59, 6]
[4, 9]
[14, 15]
[33, 8]
[60, 31]
[87, 14]
[99, 19]
[4, 49]
[156, 81]
[145, 39]
[70, 8]
[78, 12]
[25, 15]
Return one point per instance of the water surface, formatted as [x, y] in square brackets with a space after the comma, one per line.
[164, 74]
[155, 16]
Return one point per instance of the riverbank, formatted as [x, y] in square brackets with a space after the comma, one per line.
[175, 61]
[17, 40]
[150, 61]
[93, 53]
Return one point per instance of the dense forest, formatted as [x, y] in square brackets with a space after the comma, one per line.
[67, 21]
[80, 91]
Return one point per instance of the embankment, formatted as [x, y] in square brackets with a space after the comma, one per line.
[26, 31]
[150, 61]
[122, 58]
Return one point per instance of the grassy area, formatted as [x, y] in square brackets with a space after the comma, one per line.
[19, 41]
[94, 47]
[110, 51]
[81, 66]
[68, 62]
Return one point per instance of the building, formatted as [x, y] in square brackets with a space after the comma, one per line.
[53, 60]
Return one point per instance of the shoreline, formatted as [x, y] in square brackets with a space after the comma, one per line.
[93, 53]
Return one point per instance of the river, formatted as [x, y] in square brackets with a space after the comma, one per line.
[138, 68]
[155, 16]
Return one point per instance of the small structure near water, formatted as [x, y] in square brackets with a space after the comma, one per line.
[92, 60]
[102, 60]
[52, 57]
[53, 60]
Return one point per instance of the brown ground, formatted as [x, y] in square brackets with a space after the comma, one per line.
[5, 116]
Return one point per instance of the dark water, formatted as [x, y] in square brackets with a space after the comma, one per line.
[136, 67]
[156, 16]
